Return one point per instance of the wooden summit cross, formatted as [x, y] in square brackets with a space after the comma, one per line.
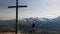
[17, 11]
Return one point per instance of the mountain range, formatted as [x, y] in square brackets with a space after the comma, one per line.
[25, 24]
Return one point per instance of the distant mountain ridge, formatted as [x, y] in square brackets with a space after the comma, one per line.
[25, 24]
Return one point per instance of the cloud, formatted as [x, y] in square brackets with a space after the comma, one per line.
[5, 3]
[40, 8]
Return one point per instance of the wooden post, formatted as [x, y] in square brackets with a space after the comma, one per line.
[17, 12]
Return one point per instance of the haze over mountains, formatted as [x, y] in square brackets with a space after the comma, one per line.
[25, 24]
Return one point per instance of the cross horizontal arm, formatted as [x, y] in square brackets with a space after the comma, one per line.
[22, 6]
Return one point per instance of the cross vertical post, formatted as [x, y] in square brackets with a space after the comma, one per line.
[16, 15]
[22, 6]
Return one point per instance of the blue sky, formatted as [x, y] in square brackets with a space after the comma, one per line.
[36, 8]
